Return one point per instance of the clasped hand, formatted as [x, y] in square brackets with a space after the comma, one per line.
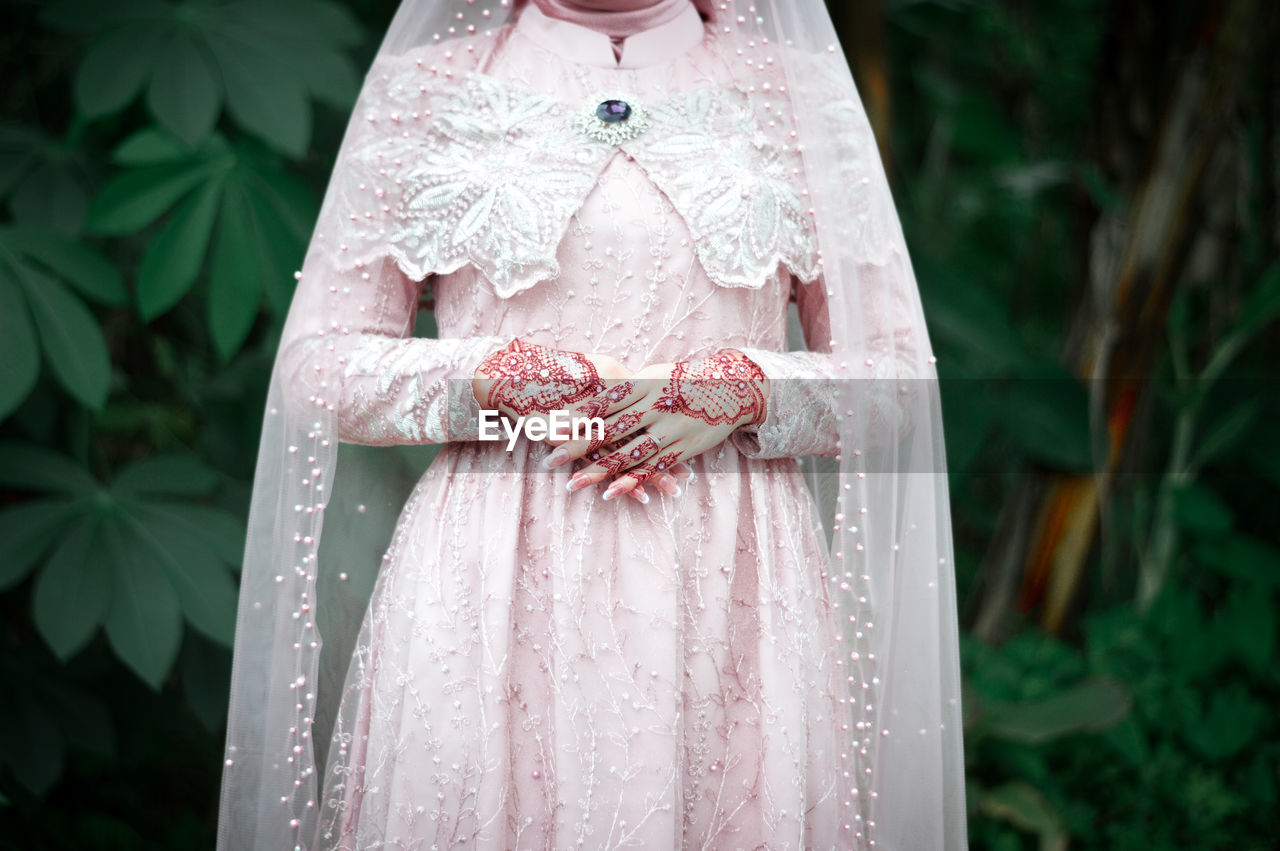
[654, 420]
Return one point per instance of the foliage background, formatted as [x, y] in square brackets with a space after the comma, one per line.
[1091, 193]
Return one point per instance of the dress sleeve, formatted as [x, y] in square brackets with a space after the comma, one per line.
[351, 349]
[802, 416]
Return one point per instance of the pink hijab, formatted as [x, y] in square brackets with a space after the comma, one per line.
[619, 18]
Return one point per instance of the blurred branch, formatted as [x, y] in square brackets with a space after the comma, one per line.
[1160, 141]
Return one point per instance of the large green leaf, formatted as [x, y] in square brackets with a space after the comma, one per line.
[1095, 704]
[28, 531]
[149, 146]
[185, 94]
[174, 258]
[204, 587]
[235, 291]
[18, 349]
[144, 623]
[35, 468]
[213, 530]
[269, 58]
[70, 337]
[171, 475]
[137, 198]
[74, 590]
[274, 249]
[1243, 557]
[116, 67]
[263, 96]
[74, 262]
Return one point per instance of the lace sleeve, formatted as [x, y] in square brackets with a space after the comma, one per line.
[802, 413]
[355, 355]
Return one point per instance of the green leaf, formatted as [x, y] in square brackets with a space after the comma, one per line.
[263, 95]
[71, 339]
[174, 258]
[1020, 804]
[235, 288]
[28, 531]
[205, 589]
[18, 349]
[29, 467]
[116, 67]
[1248, 622]
[213, 530]
[275, 251]
[144, 623]
[1243, 557]
[73, 591]
[135, 199]
[1262, 304]
[165, 475]
[1226, 432]
[149, 146]
[72, 261]
[1230, 722]
[1199, 509]
[185, 95]
[1092, 705]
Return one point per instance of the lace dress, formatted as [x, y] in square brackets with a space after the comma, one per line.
[542, 669]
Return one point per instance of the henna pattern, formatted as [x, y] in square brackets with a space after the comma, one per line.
[723, 389]
[643, 472]
[530, 378]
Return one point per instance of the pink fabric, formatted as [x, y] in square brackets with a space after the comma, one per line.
[618, 19]
[615, 18]
[626, 675]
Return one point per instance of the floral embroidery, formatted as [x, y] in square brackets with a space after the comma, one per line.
[491, 174]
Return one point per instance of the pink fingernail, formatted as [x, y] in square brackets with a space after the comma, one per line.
[614, 489]
[643, 497]
[577, 483]
[556, 459]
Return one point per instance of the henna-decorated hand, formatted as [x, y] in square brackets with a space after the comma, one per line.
[525, 378]
[528, 380]
[666, 414]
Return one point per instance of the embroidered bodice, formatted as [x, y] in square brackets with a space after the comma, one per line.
[486, 170]
[491, 164]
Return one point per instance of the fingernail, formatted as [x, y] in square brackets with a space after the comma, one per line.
[614, 489]
[643, 497]
[577, 483]
[556, 459]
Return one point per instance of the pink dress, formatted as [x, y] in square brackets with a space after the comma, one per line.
[541, 669]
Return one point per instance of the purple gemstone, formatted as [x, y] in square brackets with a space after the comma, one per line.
[613, 111]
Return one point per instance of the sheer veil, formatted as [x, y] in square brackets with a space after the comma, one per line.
[322, 513]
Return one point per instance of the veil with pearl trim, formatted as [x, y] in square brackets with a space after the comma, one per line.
[320, 508]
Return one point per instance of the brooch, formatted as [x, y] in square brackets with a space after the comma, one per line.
[613, 120]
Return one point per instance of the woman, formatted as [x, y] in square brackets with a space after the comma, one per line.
[611, 203]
